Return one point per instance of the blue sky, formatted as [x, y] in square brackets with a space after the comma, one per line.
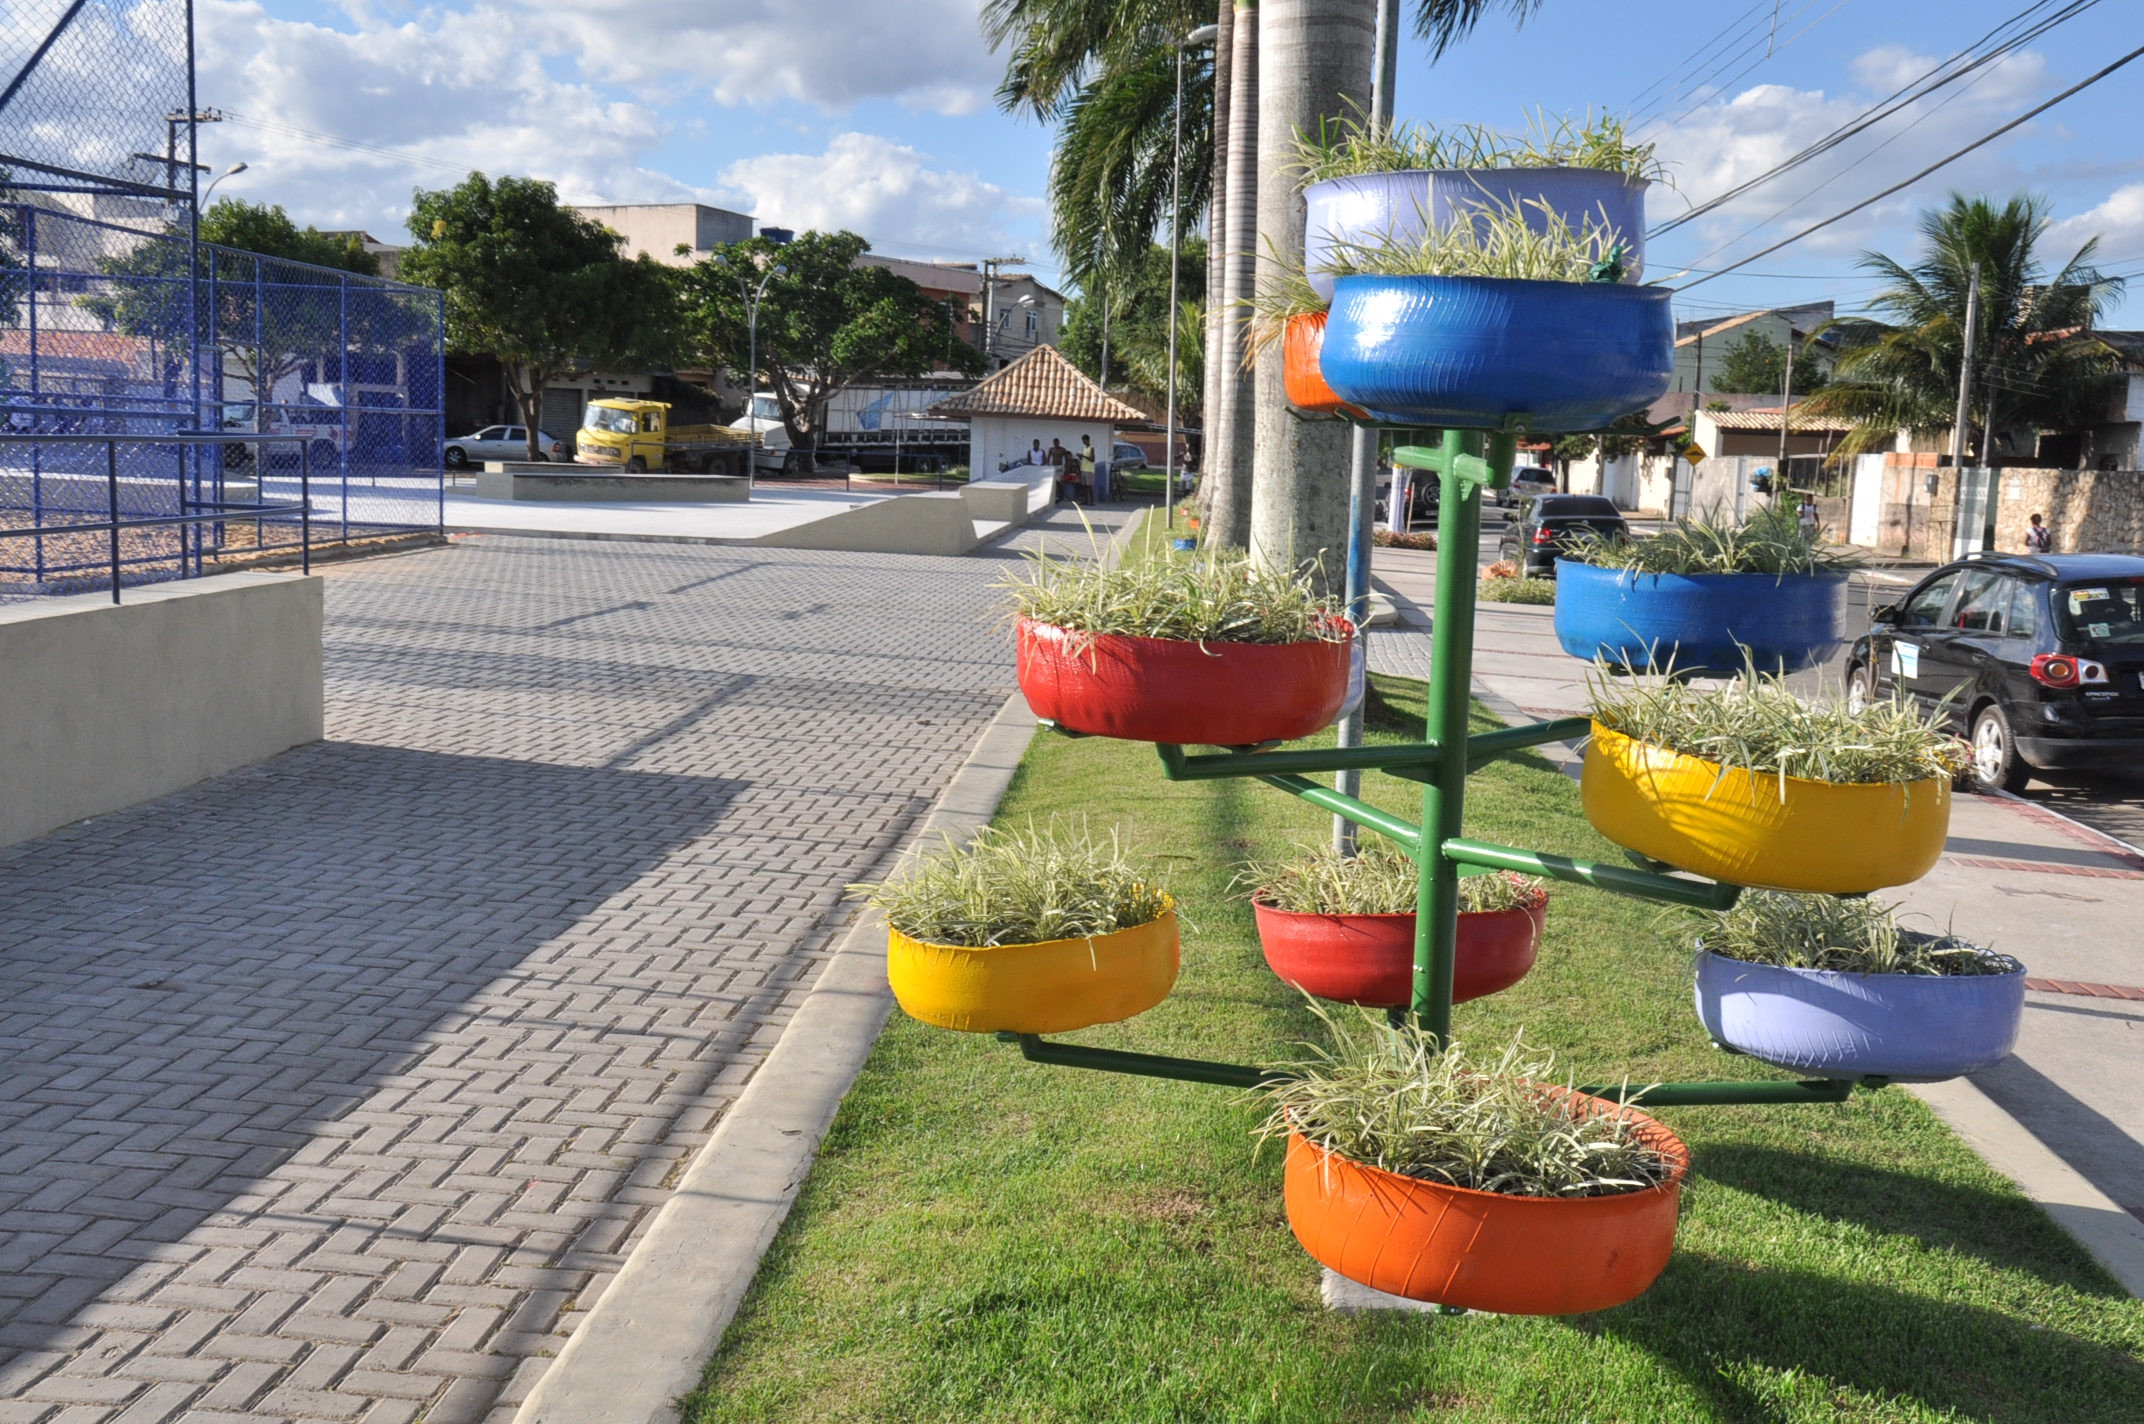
[876, 114]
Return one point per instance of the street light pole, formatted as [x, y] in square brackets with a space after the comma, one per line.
[752, 299]
[232, 172]
[1203, 35]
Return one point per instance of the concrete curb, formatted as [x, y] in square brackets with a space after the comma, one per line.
[644, 1345]
[646, 1341]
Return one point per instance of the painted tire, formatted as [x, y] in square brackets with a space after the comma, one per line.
[1053, 986]
[1732, 825]
[1376, 207]
[1700, 622]
[1154, 690]
[1476, 351]
[1369, 959]
[1913, 1028]
[1307, 391]
[1483, 1250]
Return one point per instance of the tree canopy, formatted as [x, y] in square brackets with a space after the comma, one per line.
[264, 228]
[1756, 365]
[537, 286]
[827, 323]
[1135, 304]
[2033, 360]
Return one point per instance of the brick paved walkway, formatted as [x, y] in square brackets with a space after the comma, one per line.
[333, 1088]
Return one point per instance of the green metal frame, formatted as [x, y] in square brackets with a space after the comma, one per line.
[1441, 762]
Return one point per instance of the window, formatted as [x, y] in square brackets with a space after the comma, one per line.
[1032, 323]
[2110, 610]
[1925, 608]
[1985, 604]
[608, 420]
[492, 432]
[2024, 609]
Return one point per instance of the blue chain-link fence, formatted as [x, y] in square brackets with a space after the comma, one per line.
[328, 384]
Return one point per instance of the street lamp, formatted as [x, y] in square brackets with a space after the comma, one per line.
[232, 172]
[752, 298]
[1198, 38]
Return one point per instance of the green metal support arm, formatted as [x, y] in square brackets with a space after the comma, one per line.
[1384, 823]
[1669, 889]
[1484, 746]
[1176, 765]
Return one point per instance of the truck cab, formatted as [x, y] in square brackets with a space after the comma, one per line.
[623, 434]
[763, 422]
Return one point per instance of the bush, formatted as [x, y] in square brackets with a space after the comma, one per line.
[1201, 600]
[1848, 935]
[1017, 887]
[1517, 590]
[1381, 880]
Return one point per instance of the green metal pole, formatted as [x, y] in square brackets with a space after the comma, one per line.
[1451, 662]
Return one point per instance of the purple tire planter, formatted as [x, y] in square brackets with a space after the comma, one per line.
[1911, 1028]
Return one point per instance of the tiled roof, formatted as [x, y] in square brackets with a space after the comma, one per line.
[1041, 383]
[75, 345]
[1768, 419]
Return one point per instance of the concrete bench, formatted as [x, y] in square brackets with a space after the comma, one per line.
[513, 479]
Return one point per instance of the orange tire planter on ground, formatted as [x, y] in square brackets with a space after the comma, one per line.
[1484, 1250]
[1826, 837]
[1156, 690]
[1369, 959]
[1052, 986]
[1301, 343]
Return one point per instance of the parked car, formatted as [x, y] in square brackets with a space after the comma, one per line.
[2037, 659]
[500, 442]
[1527, 482]
[1125, 456]
[1549, 522]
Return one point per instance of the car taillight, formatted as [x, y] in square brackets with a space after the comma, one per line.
[1543, 536]
[2061, 670]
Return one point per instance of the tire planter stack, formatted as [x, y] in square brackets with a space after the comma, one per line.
[1699, 623]
[1369, 959]
[1302, 372]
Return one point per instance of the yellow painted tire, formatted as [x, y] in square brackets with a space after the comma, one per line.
[1051, 987]
[1733, 825]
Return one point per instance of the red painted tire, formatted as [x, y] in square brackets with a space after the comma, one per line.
[1369, 959]
[1153, 690]
[1300, 344]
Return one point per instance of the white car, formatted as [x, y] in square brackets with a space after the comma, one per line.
[499, 442]
[1528, 482]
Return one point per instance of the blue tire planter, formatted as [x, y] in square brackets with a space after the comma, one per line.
[1700, 622]
[1478, 351]
[1375, 208]
[1913, 1028]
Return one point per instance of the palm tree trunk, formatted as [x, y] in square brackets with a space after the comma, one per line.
[1216, 215]
[1227, 475]
[1314, 64]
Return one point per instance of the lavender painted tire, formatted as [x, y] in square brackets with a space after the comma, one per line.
[1911, 1028]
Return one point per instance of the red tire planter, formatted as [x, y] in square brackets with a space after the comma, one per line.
[1301, 342]
[1155, 690]
[1369, 959]
[1483, 1250]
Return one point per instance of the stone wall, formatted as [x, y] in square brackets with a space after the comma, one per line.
[2088, 511]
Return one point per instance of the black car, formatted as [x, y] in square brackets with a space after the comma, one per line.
[1551, 521]
[2038, 659]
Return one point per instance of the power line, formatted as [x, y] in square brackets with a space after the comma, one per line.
[1771, 50]
[1689, 62]
[1977, 143]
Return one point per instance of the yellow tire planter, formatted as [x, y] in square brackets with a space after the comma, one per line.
[1735, 825]
[1051, 987]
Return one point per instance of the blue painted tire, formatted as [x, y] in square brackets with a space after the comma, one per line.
[1476, 351]
[1375, 208]
[1913, 1028]
[1700, 622]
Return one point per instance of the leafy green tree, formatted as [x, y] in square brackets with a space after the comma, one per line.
[1136, 329]
[2033, 360]
[826, 324]
[264, 228]
[1756, 365]
[538, 287]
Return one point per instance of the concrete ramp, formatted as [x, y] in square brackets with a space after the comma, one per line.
[946, 523]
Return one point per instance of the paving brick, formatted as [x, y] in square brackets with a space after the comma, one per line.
[326, 1084]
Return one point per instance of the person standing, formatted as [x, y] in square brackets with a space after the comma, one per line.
[2039, 539]
[1805, 514]
[1036, 455]
[1097, 468]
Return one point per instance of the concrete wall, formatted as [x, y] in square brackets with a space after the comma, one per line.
[2087, 511]
[992, 440]
[105, 704]
[939, 523]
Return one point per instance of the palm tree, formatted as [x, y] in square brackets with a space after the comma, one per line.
[1899, 370]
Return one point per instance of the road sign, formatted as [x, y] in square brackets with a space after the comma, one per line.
[1694, 453]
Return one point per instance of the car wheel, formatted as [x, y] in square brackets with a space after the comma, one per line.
[457, 458]
[1996, 765]
[636, 465]
[1860, 689]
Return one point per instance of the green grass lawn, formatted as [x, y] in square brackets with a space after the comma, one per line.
[985, 1239]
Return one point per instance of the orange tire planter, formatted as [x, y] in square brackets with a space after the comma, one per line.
[1369, 959]
[1050, 986]
[1484, 1250]
[1301, 343]
[1156, 690]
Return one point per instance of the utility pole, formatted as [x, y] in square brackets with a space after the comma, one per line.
[1965, 388]
[1786, 410]
[1362, 463]
[990, 319]
[171, 139]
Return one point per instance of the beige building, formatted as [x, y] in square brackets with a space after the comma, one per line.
[1041, 396]
[659, 229]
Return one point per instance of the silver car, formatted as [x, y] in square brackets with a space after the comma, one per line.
[499, 442]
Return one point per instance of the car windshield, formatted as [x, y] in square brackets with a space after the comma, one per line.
[610, 419]
[2101, 611]
[1574, 504]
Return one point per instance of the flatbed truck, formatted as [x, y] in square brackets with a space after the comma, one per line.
[636, 435]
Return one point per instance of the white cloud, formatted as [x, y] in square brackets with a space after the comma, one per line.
[885, 190]
[926, 54]
[2118, 223]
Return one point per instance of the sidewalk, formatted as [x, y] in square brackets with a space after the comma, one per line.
[2062, 898]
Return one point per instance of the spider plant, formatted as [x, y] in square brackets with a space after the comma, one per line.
[1770, 541]
[1283, 294]
[1757, 724]
[1017, 887]
[1212, 599]
[1353, 144]
[1495, 241]
[1387, 1097]
[1844, 934]
[1381, 880]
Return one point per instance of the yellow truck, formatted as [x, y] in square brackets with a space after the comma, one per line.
[636, 435]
